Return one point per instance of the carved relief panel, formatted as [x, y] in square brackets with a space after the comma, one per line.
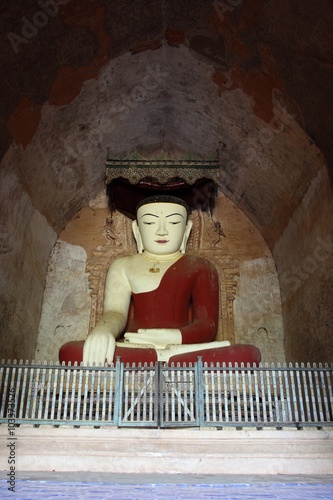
[207, 240]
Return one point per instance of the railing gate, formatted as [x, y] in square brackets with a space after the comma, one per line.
[137, 388]
[180, 396]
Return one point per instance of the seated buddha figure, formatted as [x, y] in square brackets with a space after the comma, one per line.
[164, 284]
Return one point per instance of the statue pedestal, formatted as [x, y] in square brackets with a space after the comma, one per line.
[172, 451]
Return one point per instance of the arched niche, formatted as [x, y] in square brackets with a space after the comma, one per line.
[250, 305]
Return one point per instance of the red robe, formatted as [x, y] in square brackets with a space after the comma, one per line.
[187, 298]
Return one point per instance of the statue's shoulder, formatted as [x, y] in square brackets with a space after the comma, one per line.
[125, 262]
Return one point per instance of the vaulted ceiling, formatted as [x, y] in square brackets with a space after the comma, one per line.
[49, 48]
[182, 75]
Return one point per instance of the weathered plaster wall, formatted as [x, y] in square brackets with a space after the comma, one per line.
[257, 305]
[304, 259]
[25, 242]
[66, 304]
[67, 301]
[257, 308]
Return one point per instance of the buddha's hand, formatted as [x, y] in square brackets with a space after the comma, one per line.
[159, 338]
[99, 348]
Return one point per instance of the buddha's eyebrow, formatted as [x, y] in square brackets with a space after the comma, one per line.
[152, 215]
[176, 213]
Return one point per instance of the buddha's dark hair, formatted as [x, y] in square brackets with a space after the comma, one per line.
[164, 198]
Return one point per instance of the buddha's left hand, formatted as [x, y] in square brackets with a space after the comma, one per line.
[159, 338]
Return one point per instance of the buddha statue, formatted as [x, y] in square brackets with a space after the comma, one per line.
[175, 299]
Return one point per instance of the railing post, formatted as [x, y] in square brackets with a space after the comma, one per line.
[118, 393]
[199, 400]
[159, 414]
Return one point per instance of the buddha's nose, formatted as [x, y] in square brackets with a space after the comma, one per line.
[161, 230]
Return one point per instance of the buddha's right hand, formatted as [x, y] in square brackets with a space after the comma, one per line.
[99, 348]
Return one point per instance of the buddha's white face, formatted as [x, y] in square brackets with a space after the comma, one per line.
[162, 227]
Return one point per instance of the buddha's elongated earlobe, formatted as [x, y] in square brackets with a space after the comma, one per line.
[186, 236]
[137, 236]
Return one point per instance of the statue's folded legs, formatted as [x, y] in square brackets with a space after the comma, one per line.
[238, 353]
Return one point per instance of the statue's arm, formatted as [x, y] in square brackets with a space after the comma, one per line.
[205, 307]
[159, 338]
[101, 342]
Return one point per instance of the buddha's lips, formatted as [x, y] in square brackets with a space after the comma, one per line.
[162, 241]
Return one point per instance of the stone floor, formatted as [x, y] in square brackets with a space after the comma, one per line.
[40, 485]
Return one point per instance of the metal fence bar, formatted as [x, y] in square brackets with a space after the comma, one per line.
[206, 394]
[39, 402]
[178, 395]
[192, 392]
[314, 415]
[155, 395]
[119, 388]
[244, 395]
[306, 394]
[318, 394]
[78, 415]
[173, 402]
[238, 399]
[2, 387]
[294, 406]
[219, 394]
[103, 391]
[60, 390]
[213, 396]
[256, 388]
[199, 393]
[109, 398]
[288, 398]
[299, 396]
[18, 395]
[225, 394]
[232, 395]
[269, 396]
[329, 381]
[324, 397]
[250, 394]
[275, 398]
[55, 373]
[24, 390]
[263, 395]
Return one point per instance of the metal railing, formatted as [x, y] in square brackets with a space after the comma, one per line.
[162, 396]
